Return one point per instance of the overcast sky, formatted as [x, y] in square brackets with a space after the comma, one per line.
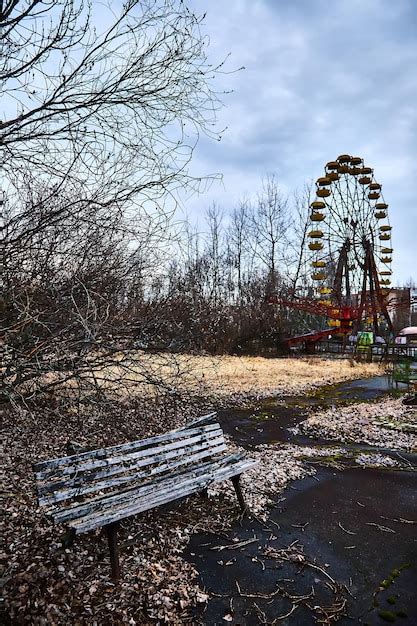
[321, 78]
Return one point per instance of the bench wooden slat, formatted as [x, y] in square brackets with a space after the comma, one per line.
[82, 478]
[209, 418]
[89, 522]
[43, 467]
[118, 463]
[216, 446]
[103, 502]
[181, 446]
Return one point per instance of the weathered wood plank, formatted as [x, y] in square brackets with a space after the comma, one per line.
[176, 473]
[210, 418]
[81, 479]
[120, 465]
[182, 446]
[98, 519]
[216, 446]
[180, 433]
[188, 460]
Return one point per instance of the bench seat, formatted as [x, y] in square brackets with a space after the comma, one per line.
[99, 488]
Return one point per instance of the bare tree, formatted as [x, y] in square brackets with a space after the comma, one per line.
[103, 107]
[93, 94]
[270, 223]
[238, 235]
[214, 222]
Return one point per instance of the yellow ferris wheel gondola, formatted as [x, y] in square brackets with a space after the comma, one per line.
[323, 192]
[343, 169]
[344, 158]
[333, 323]
[317, 217]
[315, 245]
[324, 181]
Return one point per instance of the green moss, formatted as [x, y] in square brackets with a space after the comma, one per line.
[394, 574]
[401, 613]
[387, 616]
[261, 416]
[391, 600]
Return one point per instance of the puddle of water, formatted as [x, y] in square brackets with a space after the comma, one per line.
[271, 423]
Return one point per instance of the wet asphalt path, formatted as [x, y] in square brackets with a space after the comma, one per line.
[357, 500]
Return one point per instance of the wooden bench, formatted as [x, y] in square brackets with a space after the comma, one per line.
[99, 488]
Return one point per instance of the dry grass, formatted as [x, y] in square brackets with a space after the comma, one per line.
[222, 376]
[257, 375]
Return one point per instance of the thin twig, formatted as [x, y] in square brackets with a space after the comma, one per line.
[384, 529]
[349, 532]
[235, 546]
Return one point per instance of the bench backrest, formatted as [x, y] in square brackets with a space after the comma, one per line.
[138, 462]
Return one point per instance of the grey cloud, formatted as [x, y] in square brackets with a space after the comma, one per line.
[321, 78]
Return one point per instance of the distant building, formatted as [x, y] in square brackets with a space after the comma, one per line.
[402, 305]
[413, 311]
[407, 336]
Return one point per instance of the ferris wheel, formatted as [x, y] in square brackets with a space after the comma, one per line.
[349, 243]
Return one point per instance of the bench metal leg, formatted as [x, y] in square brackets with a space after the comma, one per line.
[239, 494]
[204, 494]
[111, 532]
[68, 538]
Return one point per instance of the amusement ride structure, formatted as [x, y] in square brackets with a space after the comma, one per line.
[348, 252]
